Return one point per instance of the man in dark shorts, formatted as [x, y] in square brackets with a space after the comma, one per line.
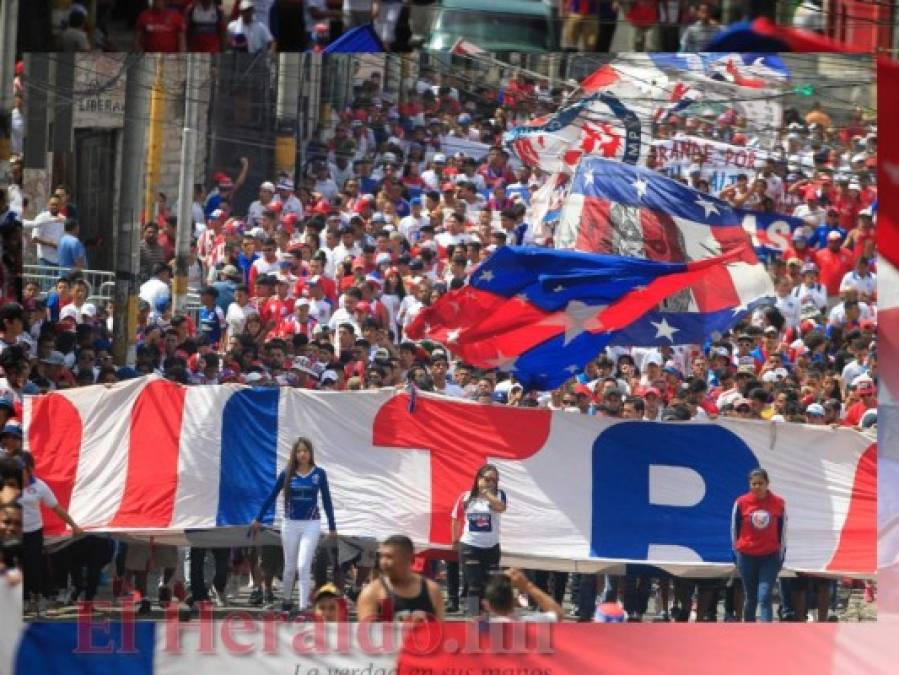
[399, 594]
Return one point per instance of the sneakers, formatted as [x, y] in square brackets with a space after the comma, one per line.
[217, 598]
[255, 599]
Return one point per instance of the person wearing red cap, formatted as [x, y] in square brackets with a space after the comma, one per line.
[811, 211]
[864, 394]
[160, 29]
[833, 263]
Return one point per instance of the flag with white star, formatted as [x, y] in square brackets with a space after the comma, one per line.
[542, 313]
[618, 209]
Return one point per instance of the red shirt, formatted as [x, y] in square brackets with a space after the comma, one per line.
[855, 413]
[160, 29]
[833, 267]
[758, 524]
[277, 309]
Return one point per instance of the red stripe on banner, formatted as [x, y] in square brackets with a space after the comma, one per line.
[149, 496]
[715, 291]
[632, 649]
[599, 79]
[661, 237]
[456, 459]
[857, 549]
[594, 233]
[736, 240]
[54, 437]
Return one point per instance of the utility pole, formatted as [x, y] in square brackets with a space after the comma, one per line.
[9, 20]
[286, 112]
[128, 228]
[186, 182]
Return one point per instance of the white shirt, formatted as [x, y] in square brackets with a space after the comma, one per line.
[791, 309]
[837, 316]
[154, 291]
[866, 284]
[410, 225]
[327, 187]
[236, 318]
[811, 295]
[480, 522]
[257, 33]
[341, 315]
[813, 218]
[290, 205]
[445, 239]
[31, 498]
[51, 228]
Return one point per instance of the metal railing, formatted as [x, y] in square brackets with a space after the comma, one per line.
[100, 284]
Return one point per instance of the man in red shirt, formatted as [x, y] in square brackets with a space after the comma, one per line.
[160, 29]
[867, 399]
[833, 263]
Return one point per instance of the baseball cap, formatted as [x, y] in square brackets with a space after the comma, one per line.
[651, 390]
[285, 184]
[12, 428]
[799, 234]
[326, 591]
[247, 4]
[439, 158]
[833, 235]
[809, 267]
[230, 271]
[865, 386]
[815, 410]
[267, 185]
[54, 358]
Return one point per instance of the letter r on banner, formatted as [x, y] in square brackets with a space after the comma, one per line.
[625, 522]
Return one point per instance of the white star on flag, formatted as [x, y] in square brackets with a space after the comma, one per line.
[453, 335]
[522, 298]
[486, 275]
[588, 177]
[502, 362]
[573, 368]
[640, 185]
[577, 318]
[665, 329]
[559, 289]
[709, 207]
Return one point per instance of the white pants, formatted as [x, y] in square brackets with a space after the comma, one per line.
[299, 539]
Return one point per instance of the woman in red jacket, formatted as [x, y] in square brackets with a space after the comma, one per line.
[758, 535]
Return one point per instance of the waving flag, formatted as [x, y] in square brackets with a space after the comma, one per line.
[618, 209]
[763, 35]
[745, 69]
[357, 40]
[611, 123]
[543, 314]
[149, 458]
[463, 47]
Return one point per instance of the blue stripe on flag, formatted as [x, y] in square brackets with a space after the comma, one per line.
[54, 648]
[249, 455]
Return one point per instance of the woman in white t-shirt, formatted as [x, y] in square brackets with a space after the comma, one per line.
[476, 519]
[35, 492]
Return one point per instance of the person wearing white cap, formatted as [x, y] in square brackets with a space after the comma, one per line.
[254, 213]
[247, 33]
[287, 199]
[434, 177]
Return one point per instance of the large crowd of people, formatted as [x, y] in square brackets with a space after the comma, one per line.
[316, 283]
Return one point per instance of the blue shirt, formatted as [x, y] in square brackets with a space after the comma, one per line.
[226, 293]
[302, 497]
[245, 264]
[210, 324]
[71, 250]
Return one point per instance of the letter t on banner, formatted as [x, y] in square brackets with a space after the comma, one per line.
[490, 432]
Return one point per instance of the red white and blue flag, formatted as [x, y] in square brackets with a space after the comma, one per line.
[544, 313]
[623, 210]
